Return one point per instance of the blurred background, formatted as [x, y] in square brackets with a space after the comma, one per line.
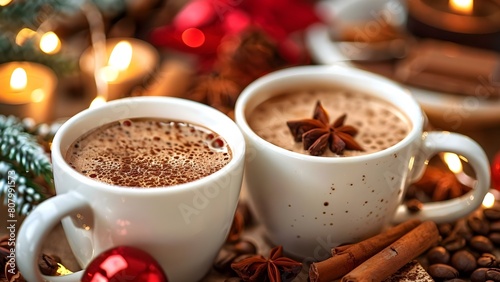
[59, 57]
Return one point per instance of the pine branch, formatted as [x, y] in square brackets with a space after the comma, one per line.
[32, 13]
[26, 192]
[25, 13]
[21, 155]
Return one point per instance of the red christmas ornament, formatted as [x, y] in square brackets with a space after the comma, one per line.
[124, 264]
[495, 172]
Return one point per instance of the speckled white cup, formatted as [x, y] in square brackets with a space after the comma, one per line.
[309, 204]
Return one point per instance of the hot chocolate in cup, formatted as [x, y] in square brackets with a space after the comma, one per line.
[311, 203]
[112, 193]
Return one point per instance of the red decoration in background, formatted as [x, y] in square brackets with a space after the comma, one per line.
[209, 22]
[495, 172]
[124, 264]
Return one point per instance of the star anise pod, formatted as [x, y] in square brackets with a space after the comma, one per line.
[317, 134]
[276, 268]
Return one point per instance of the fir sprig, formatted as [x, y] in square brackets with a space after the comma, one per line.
[23, 157]
[33, 12]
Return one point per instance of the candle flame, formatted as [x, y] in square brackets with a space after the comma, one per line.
[489, 200]
[19, 79]
[5, 2]
[462, 6]
[453, 162]
[23, 35]
[121, 56]
[98, 101]
[50, 43]
[109, 73]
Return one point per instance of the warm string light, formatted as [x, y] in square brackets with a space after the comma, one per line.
[49, 42]
[23, 35]
[5, 2]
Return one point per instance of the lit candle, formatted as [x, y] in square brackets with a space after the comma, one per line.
[467, 22]
[26, 90]
[128, 63]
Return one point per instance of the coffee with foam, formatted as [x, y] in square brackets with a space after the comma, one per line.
[379, 123]
[148, 153]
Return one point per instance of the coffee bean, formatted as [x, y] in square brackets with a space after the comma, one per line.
[244, 247]
[223, 261]
[454, 243]
[442, 271]
[478, 224]
[438, 255]
[445, 229]
[493, 274]
[455, 280]
[494, 238]
[495, 226]
[481, 244]
[492, 213]
[479, 275]
[463, 261]
[487, 260]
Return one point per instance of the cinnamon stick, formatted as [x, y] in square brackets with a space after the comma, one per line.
[346, 258]
[389, 260]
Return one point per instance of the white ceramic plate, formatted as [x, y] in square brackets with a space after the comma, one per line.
[445, 110]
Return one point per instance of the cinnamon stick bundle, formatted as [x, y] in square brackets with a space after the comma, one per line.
[388, 261]
[346, 258]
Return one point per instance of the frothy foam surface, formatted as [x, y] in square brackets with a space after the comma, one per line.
[148, 153]
[380, 124]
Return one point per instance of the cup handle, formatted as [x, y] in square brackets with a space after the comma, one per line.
[453, 209]
[37, 226]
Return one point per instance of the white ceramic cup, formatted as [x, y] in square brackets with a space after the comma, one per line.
[287, 190]
[181, 226]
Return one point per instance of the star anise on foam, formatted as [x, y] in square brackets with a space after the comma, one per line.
[317, 134]
[276, 268]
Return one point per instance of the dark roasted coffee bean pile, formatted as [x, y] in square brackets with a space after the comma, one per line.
[469, 249]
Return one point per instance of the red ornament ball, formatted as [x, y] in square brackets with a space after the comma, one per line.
[124, 263]
[495, 172]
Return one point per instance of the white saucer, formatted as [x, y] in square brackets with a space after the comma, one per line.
[445, 110]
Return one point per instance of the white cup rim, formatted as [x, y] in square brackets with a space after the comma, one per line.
[237, 144]
[294, 74]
